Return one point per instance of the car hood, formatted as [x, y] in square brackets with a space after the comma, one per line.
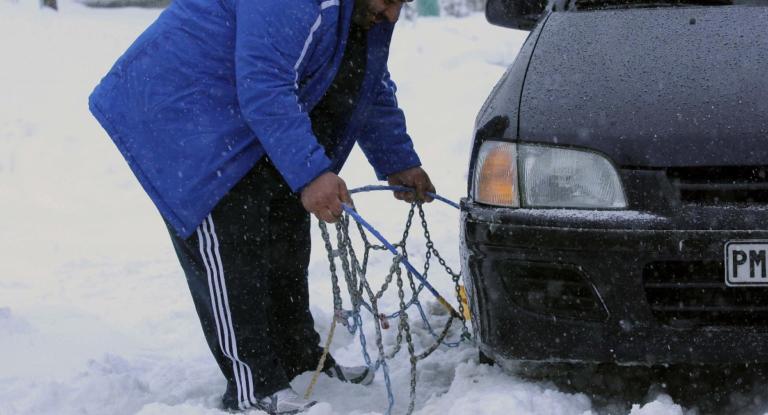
[660, 87]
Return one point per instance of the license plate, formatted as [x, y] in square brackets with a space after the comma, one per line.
[746, 263]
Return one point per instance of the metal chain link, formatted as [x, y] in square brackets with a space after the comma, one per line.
[456, 277]
[355, 276]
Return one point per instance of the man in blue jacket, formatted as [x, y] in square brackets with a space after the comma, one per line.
[236, 116]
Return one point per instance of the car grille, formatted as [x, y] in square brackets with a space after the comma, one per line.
[553, 290]
[693, 294]
[721, 185]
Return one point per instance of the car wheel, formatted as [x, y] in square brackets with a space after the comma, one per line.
[484, 359]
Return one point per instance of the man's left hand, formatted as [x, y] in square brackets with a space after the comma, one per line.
[415, 178]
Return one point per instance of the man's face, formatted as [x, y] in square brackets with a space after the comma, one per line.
[370, 12]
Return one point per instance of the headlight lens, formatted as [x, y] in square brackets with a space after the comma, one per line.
[548, 177]
[558, 177]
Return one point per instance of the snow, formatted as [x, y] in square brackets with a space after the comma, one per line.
[95, 315]
[593, 215]
[663, 405]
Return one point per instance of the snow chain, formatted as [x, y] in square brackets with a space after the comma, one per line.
[361, 295]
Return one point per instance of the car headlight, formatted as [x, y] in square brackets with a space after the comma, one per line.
[514, 175]
[495, 180]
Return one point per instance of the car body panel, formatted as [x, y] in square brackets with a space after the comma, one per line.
[498, 116]
[643, 85]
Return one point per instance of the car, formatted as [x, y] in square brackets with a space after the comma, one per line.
[617, 196]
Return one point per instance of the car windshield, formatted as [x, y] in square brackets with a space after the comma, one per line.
[608, 4]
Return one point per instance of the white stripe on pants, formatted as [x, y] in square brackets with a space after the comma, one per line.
[209, 250]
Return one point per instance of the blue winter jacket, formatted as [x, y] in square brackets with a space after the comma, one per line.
[214, 85]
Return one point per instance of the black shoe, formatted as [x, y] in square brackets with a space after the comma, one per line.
[361, 375]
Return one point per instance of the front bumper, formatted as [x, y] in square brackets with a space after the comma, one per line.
[641, 288]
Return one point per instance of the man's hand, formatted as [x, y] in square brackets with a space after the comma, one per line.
[415, 178]
[324, 195]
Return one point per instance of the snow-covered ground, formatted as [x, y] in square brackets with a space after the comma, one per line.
[95, 315]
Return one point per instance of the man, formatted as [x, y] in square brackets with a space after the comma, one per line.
[236, 116]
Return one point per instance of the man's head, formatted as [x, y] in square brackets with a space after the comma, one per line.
[370, 12]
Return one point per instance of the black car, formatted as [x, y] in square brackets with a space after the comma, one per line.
[617, 206]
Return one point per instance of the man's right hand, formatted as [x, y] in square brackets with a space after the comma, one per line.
[324, 195]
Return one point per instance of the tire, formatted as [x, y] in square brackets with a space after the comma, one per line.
[484, 359]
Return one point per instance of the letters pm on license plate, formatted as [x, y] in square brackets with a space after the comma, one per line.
[746, 263]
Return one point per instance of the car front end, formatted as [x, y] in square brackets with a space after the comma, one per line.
[617, 205]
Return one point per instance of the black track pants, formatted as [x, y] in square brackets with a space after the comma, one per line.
[247, 271]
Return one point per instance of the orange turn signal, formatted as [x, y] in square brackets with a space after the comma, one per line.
[496, 174]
